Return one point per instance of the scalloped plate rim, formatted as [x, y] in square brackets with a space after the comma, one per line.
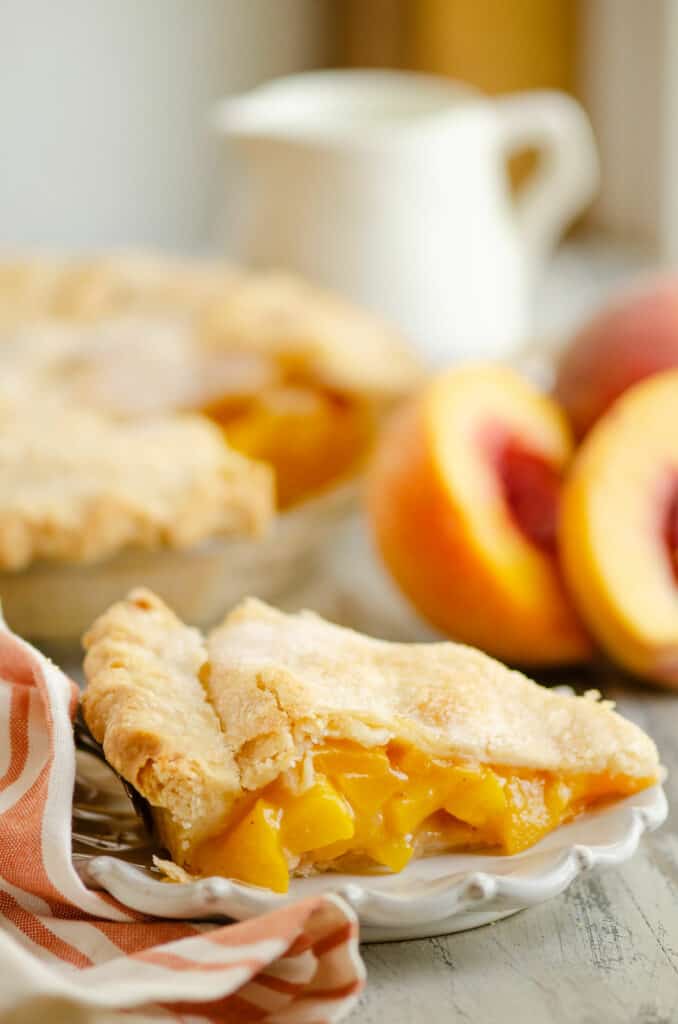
[457, 899]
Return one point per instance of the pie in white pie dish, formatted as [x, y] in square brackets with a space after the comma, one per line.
[170, 420]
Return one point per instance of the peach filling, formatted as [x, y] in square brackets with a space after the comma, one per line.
[310, 436]
[671, 529]
[367, 808]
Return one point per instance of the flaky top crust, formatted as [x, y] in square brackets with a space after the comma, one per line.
[294, 675]
[79, 486]
[312, 330]
[274, 314]
[277, 684]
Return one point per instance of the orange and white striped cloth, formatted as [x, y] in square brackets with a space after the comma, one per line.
[63, 945]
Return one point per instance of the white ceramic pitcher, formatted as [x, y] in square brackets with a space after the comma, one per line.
[392, 188]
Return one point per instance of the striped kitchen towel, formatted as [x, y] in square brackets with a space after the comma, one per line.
[64, 946]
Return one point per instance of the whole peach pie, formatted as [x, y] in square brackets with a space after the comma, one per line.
[281, 745]
[286, 375]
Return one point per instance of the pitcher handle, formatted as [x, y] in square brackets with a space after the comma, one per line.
[567, 176]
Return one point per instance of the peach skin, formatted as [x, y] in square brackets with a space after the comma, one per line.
[633, 337]
[619, 530]
[462, 497]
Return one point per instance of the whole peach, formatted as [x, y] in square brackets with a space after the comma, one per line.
[633, 337]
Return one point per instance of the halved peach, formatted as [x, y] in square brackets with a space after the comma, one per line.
[463, 500]
[619, 529]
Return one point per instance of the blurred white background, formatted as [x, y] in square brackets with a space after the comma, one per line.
[103, 112]
[104, 138]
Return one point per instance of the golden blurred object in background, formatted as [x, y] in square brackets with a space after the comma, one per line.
[497, 47]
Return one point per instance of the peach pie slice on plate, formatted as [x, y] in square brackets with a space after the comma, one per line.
[281, 748]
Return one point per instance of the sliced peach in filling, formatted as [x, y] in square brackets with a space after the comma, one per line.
[360, 808]
[251, 850]
[316, 817]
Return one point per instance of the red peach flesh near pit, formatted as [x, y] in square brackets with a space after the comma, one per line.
[530, 486]
[671, 527]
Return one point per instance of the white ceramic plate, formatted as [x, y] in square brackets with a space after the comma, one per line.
[432, 896]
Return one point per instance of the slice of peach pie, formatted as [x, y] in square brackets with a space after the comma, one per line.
[282, 745]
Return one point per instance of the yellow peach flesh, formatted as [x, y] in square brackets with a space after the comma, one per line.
[615, 547]
[396, 799]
